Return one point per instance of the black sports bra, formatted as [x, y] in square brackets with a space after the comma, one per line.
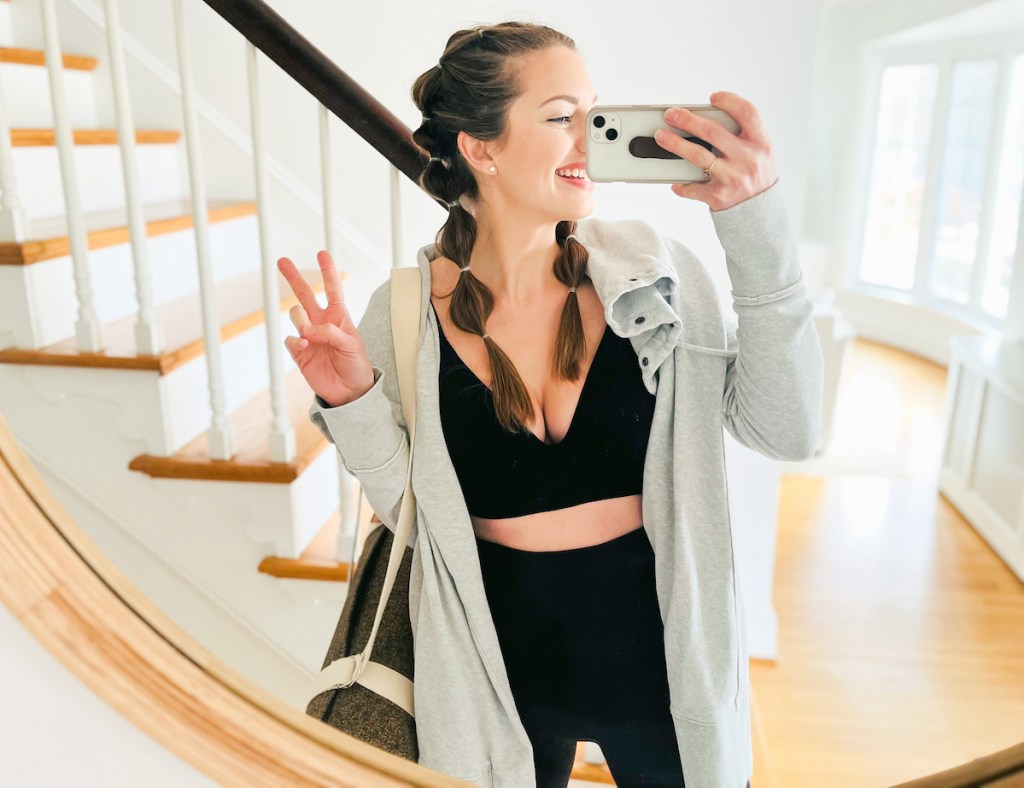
[506, 474]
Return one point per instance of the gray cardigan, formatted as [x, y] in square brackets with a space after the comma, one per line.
[761, 380]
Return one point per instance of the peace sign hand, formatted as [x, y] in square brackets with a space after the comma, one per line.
[746, 169]
[329, 350]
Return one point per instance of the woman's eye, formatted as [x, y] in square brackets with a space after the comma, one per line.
[564, 117]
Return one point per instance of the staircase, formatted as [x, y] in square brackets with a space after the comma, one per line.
[248, 554]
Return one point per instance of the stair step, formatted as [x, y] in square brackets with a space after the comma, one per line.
[592, 772]
[28, 138]
[317, 562]
[250, 425]
[238, 309]
[48, 239]
[36, 57]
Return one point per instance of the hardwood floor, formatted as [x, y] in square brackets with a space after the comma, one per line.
[901, 633]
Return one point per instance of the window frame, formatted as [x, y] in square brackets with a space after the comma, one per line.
[1004, 48]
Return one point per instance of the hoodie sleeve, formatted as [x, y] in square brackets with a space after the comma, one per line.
[370, 432]
[772, 399]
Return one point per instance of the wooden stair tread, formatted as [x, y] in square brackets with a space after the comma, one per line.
[317, 562]
[36, 57]
[239, 307]
[592, 772]
[47, 238]
[250, 425]
[31, 138]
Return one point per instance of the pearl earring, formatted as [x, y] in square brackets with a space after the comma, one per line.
[493, 168]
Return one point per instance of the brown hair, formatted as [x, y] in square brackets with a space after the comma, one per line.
[472, 92]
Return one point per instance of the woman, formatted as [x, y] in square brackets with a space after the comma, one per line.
[573, 575]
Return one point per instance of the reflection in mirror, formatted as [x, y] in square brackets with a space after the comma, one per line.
[644, 545]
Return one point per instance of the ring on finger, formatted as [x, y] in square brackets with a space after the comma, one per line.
[714, 161]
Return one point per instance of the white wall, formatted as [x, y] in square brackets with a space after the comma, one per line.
[679, 53]
[54, 730]
[667, 53]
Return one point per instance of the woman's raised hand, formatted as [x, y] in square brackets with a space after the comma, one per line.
[329, 350]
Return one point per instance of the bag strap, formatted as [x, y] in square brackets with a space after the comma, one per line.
[406, 302]
[406, 298]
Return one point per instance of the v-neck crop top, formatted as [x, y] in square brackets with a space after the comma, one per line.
[505, 474]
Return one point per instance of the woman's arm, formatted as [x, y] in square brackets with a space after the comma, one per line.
[772, 398]
[370, 432]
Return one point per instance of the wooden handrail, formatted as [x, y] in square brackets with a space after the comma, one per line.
[328, 84]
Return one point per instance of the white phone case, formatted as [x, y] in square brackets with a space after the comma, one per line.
[621, 145]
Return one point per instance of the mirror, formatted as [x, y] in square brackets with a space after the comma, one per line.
[881, 529]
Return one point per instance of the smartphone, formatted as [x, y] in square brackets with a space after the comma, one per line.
[621, 145]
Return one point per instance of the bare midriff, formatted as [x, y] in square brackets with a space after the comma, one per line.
[582, 525]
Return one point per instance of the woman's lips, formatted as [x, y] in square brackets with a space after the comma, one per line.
[579, 183]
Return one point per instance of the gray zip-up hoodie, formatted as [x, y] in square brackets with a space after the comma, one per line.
[760, 379]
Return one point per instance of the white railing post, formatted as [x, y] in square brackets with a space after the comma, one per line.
[88, 333]
[13, 226]
[219, 442]
[282, 436]
[148, 332]
[325, 180]
[350, 495]
[396, 216]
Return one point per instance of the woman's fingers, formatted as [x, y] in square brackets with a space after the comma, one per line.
[327, 334]
[295, 345]
[332, 287]
[708, 130]
[299, 286]
[298, 316]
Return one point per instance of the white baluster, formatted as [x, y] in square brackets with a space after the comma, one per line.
[325, 180]
[13, 226]
[88, 333]
[219, 443]
[396, 216]
[148, 332]
[350, 497]
[282, 436]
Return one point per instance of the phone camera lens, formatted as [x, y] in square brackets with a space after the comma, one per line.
[611, 134]
[599, 121]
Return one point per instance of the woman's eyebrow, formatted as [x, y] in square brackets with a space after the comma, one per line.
[570, 99]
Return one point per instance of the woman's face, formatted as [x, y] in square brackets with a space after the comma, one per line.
[545, 133]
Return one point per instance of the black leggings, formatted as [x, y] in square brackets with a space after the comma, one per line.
[583, 645]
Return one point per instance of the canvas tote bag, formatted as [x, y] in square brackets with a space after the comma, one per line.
[372, 698]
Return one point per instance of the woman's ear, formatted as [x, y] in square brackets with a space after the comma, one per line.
[475, 153]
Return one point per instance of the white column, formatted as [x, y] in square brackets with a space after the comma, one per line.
[88, 334]
[282, 436]
[148, 332]
[219, 443]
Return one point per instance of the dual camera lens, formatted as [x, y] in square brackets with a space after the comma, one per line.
[611, 134]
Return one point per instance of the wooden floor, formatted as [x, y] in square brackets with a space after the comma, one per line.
[901, 633]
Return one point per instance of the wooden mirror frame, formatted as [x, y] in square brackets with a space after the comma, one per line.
[83, 610]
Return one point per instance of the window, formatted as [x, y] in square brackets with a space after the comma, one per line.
[946, 181]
